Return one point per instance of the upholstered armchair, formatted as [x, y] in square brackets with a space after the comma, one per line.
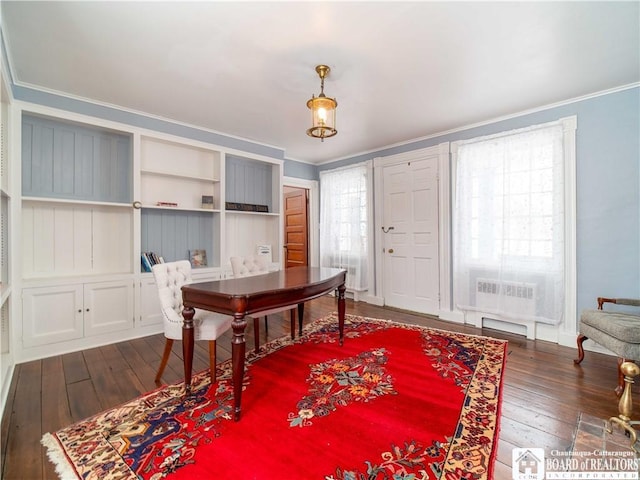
[170, 277]
[616, 331]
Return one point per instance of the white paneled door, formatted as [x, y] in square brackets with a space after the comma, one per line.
[410, 242]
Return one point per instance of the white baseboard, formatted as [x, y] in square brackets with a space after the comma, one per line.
[451, 316]
[372, 299]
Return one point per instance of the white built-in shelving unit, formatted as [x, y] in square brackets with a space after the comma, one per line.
[94, 195]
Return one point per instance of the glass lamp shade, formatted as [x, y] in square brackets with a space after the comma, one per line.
[323, 117]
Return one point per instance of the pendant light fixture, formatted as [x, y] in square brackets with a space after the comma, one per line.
[323, 110]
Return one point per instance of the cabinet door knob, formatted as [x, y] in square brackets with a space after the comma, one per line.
[87, 309]
[79, 310]
[391, 250]
[137, 205]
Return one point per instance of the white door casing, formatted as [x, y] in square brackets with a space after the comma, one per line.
[410, 248]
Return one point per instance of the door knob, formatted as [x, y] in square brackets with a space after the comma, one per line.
[391, 250]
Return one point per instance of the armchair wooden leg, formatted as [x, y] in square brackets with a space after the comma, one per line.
[580, 341]
[165, 357]
[212, 361]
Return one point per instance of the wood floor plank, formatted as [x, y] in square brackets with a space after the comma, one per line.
[55, 406]
[24, 452]
[502, 472]
[543, 392]
[6, 418]
[524, 434]
[144, 372]
[113, 358]
[83, 400]
[141, 345]
[75, 370]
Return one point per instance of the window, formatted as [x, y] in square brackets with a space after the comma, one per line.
[510, 223]
[344, 220]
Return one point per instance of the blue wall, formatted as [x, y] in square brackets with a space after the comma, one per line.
[608, 187]
[608, 176]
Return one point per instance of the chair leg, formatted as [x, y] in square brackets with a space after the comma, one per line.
[165, 357]
[580, 341]
[212, 361]
[256, 333]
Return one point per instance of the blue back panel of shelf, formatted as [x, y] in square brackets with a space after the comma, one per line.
[172, 234]
[248, 181]
[71, 161]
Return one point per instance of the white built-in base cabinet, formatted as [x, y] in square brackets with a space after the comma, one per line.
[150, 312]
[67, 312]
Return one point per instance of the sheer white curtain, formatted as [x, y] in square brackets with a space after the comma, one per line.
[344, 217]
[509, 224]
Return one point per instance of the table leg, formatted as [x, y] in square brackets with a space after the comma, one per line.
[292, 314]
[187, 346]
[300, 317]
[237, 358]
[341, 310]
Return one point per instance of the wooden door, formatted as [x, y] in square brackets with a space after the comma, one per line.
[296, 227]
[410, 220]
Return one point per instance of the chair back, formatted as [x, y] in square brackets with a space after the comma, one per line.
[248, 266]
[170, 277]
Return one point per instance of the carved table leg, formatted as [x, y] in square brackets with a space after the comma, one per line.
[187, 346]
[237, 358]
[625, 405]
[341, 311]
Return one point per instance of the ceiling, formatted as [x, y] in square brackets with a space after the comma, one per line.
[399, 70]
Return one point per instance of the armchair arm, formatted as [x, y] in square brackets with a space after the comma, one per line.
[619, 301]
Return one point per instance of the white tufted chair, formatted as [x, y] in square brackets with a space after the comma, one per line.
[170, 277]
[256, 265]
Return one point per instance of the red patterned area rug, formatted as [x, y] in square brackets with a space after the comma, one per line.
[394, 402]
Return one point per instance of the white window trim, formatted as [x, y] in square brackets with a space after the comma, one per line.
[564, 333]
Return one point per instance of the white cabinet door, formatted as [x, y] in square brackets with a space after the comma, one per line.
[51, 314]
[108, 307]
[150, 313]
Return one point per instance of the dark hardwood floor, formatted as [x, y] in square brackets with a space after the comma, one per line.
[543, 391]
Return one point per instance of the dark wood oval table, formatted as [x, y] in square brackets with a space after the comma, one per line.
[240, 297]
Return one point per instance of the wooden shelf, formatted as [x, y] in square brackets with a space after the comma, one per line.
[179, 175]
[75, 202]
[180, 209]
[262, 214]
